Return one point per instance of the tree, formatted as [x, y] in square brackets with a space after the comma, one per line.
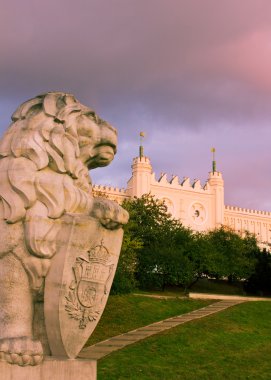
[149, 219]
[152, 224]
[171, 254]
[233, 255]
[260, 281]
[158, 251]
[124, 280]
[197, 260]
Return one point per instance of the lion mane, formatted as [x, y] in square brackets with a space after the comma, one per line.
[42, 175]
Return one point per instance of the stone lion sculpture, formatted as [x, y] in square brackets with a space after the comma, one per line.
[45, 157]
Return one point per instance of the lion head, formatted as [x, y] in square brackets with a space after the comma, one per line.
[52, 132]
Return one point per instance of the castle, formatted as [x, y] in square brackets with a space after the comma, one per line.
[199, 207]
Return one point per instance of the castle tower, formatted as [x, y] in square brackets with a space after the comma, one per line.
[140, 182]
[216, 184]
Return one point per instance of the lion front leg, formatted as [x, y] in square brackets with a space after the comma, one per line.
[17, 345]
[110, 214]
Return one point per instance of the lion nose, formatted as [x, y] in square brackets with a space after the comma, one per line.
[104, 158]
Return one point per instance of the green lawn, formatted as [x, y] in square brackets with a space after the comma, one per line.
[233, 344]
[127, 312]
[205, 285]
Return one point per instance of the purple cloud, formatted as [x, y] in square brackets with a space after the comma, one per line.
[191, 74]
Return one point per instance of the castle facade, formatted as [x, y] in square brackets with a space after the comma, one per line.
[201, 208]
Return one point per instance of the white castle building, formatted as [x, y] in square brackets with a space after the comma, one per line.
[201, 208]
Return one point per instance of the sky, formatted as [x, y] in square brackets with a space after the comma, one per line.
[191, 74]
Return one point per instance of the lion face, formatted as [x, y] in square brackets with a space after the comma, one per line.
[97, 143]
[51, 133]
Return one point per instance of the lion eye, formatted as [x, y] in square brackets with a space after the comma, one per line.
[83, 141]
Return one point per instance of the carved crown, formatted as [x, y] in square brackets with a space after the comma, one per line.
[99, 253]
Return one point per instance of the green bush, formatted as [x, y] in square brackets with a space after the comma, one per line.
[124, 280]
[260, 281]
[158, 251]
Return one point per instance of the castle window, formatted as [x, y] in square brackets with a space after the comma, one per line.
[197, 213]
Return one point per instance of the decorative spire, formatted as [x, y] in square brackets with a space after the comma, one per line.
[141, 149]
[214, 161]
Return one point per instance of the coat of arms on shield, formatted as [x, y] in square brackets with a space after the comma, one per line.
[78, 283]
[92, 273]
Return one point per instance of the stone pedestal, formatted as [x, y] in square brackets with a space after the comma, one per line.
[51, 369]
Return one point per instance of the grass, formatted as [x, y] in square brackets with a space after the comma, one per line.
[127, 312]
[234, 344]
[172, 291]
[205, 285]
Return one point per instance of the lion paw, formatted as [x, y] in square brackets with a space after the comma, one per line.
[110, 214]
[21, 351]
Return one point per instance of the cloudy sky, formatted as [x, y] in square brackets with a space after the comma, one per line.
[192, 74]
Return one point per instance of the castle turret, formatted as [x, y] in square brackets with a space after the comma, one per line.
[140, 182]
[216, 184]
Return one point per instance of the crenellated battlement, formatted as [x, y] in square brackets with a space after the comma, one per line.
[143, 174]
[175, 183]
[109, 189]
[215, 175]
[141, 160]
[247, 211]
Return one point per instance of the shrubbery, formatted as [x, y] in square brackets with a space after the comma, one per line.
[158, 251]
[124, 280]
[260, 281]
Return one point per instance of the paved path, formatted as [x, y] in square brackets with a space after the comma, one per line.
[158, 296]
[101, 349]
[205, 296]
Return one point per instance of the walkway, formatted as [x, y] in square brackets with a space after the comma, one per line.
[101, 349]
[205, 296]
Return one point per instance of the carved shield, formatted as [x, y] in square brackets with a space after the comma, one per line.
[78, 283]
[87, 293]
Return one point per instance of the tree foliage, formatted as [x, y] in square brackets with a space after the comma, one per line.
[124, 280]
[159, 251]
[260, 281]
[233, 255]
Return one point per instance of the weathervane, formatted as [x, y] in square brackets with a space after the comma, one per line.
[214, 161]
[141, 149]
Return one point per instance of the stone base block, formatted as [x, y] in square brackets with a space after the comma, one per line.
[51, 369]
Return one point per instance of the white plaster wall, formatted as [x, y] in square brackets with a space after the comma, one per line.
[254, 221]
[191, 207]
